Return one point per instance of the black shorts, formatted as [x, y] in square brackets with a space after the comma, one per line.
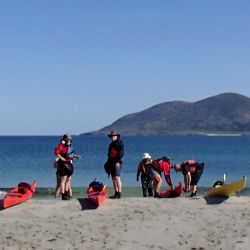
[195, 177]
[115, 169]
[65, 169]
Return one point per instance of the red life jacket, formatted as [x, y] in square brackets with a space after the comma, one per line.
[192, 165]
[65, 151]
[113, 153]
[162, 166]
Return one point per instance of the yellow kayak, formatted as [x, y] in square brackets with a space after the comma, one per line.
[226, 190]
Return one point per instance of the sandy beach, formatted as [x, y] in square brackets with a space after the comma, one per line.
[128, 223]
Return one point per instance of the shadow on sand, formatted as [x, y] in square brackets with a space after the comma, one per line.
[1, 205]
[86, 205]
[215, 200]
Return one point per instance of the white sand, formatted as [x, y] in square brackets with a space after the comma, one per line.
[128, 223]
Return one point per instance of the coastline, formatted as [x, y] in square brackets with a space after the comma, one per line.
[127, 192]
[128, 223]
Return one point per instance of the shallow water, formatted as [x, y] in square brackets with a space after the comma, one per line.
[27, 158]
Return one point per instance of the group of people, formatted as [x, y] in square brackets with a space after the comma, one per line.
[148, 169]
[65, 155]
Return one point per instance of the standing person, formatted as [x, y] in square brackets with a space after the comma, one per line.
[192, 172]
[65, 155]
[113, 164]
[146, 181]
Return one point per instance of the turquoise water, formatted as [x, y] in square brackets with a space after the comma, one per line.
[27, 158]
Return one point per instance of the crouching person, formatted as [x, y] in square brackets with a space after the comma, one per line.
[192, 172]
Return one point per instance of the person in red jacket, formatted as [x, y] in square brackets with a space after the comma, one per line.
[192, 172]
[164, 165]
[65, 154]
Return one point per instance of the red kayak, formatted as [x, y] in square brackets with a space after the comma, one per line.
[172, 193]
[97, 195]
[19, 194]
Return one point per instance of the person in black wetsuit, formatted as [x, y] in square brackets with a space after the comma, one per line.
[146, 181]
[192, 172]
[113, 164]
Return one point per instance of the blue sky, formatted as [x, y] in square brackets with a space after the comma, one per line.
[77, 66]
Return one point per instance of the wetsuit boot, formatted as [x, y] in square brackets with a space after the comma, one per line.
[119, 195]
[113, 196]
[150, 192]
[144, 192]
[65, 197]
[192, 194]
[157, 195]
[144, 185]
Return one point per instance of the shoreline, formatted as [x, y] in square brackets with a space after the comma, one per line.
[126, 192]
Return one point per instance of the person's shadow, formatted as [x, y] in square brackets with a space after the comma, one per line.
[1, 205]
[86, 204]
[215, 200]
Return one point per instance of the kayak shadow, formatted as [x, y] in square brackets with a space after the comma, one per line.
[86, 204]
[215, 200]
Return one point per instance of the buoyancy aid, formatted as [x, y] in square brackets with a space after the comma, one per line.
[70, 153]
[190, 162]
[115, 150]
[141, 168]
[163, 166]
[66, 152]
[113, 153]
[155, 163]
[192, 165]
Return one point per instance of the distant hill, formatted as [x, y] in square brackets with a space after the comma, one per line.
[226, 113]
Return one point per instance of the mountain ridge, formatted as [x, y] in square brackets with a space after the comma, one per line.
[226, 113]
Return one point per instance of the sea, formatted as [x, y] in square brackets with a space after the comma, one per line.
[28, 158]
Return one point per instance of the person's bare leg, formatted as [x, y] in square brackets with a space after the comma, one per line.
[118, 184]
[57, 189]
[62, 185]
[157, 181]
